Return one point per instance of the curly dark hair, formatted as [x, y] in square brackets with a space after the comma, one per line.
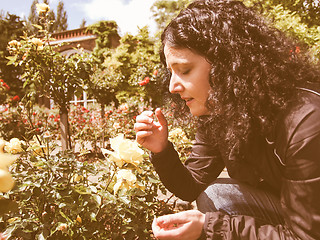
[255, 68]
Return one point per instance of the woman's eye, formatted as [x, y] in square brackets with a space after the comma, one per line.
[185, 72]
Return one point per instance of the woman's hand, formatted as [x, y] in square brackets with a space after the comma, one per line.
[151, 134]
[183, 225]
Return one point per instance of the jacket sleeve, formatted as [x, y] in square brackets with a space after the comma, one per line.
[188, 180]
[300, 195]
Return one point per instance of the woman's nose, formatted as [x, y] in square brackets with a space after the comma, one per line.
[175, 85]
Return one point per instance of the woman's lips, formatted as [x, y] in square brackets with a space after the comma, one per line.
[189, 101]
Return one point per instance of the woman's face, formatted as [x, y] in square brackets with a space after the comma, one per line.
[189, 77]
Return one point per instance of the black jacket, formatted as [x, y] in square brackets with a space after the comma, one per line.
[287, 162]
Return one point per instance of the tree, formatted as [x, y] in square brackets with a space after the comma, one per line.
[11, 28]
[308, 10]
[106, 32]
[59, 77]
[50, 19]
[293, 22]
[33, 17]
[83, 23]
[61, 23]
[102, 89]
[55, 22]
[165, 10]
[2, 14]
[131, 70]
[299, 18]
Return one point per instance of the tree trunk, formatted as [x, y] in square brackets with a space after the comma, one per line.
[102, 122]
[64, 129]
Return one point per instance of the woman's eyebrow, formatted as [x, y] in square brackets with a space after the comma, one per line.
[180, 63]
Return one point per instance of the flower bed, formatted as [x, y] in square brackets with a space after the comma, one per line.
[93, 193]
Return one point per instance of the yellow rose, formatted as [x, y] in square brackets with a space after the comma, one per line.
[38, 42]
[115, 142]
[125, 151]
[113, 157]
[6, 181]
[6, 160]
[130, 152]
[127, 175]
[42, 8]
[125, 180]
[14, 146]
[2, 145]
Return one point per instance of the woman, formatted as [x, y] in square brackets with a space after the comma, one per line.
[256, 100]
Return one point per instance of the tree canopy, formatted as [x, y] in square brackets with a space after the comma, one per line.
[164, 10]
[57, 21]
[11, 27]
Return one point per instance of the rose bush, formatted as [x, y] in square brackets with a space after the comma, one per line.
[49, 72]
[181, 141]
[23, 123]
[6, 159]
[57, 195]
[82, 194]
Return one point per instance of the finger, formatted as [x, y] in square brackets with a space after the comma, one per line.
[144, 119]
[159, 230]
[155, 226]
[141, 126]
[173, 232]
[178, 232]
[176, 218]
[147, 113]
[161, 118]
[141, 135]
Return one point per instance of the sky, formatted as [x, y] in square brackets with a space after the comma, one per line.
[129, 14]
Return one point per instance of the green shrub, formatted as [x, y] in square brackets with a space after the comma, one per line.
[58, 196]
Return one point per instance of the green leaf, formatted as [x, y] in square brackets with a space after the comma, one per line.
[93, 216]
[81, 189]
[24, 75]
[65, 216]
[12, 59]
[41, 237]
[62, 205]
[153, 179]
[136, 192]
[124, 199]
[93, 189]
[37, 26]
[98, 199]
